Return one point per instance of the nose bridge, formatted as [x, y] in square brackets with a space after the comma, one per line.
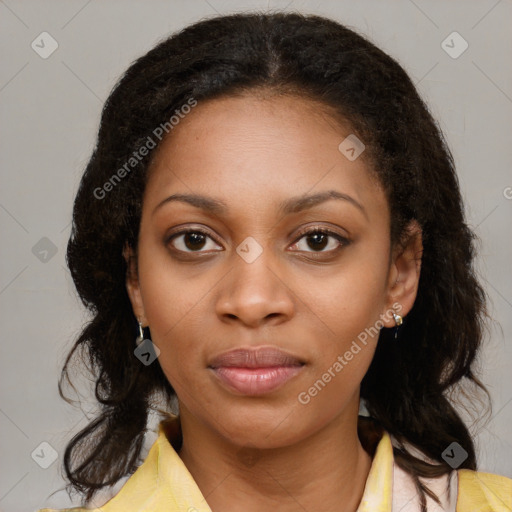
[253, 289]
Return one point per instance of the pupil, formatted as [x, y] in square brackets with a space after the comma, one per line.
[197, 240]
[316, 237]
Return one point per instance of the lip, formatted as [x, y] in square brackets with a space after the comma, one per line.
[259, 357]
[255, 371]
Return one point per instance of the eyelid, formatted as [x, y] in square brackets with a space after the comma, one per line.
[189, 229]
[324, 229]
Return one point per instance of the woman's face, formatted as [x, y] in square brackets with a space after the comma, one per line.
[247, 277]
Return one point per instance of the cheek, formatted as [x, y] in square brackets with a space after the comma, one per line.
[171, 295]
[172, 304]
[345, 325]
[348, 303]
[344, 353]
[335, 390]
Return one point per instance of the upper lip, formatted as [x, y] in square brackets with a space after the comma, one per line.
[260, 357]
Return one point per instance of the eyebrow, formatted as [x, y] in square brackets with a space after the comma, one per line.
[292, 205]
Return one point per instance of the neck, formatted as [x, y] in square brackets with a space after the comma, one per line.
[329, 472]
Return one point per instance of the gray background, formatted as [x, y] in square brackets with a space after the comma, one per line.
[50, 111]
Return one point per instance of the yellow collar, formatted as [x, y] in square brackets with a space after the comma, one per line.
[377, 495]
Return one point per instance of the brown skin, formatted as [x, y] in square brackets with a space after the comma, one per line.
[252, 153]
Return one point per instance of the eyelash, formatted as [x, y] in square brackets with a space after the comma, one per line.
[307, 231]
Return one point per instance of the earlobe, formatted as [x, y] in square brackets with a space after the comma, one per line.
[404, 274]
[132, 284]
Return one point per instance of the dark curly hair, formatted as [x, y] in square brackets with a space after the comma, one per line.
[407, 389]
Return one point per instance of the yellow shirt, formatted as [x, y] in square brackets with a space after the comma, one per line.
[163, 484]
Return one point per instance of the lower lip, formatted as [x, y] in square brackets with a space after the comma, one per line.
[256, 381]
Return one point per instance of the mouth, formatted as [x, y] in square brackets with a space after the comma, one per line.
[254, 372]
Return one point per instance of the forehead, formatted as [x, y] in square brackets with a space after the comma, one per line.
[252, 148]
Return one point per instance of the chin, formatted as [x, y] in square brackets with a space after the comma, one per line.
[263, 429]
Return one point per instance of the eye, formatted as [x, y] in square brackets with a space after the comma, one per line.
[195, 239]
[319, 237]
[190, 240]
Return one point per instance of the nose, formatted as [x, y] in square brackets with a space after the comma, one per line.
[254, 294]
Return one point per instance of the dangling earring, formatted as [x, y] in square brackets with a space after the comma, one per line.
[398, 322]
[140, 337]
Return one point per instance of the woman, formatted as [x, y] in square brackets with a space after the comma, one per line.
[270, 231]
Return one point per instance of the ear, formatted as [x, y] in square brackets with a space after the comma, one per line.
[404, 274]
[132, 285]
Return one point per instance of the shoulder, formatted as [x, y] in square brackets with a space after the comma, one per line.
[478, 491]
[460, 490]
[161, 483]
